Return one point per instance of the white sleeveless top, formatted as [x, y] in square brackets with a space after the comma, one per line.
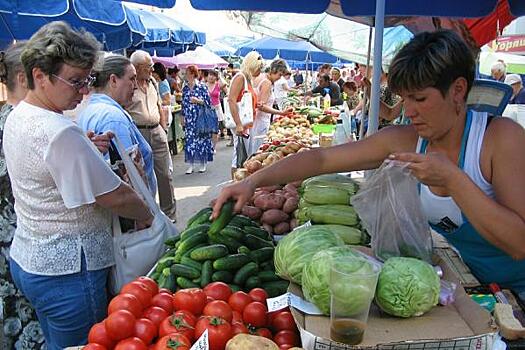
[436, 208]
[270, 102]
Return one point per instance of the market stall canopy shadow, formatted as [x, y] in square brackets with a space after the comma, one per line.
[200, 57]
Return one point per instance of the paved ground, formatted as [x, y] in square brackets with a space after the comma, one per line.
[194, 192]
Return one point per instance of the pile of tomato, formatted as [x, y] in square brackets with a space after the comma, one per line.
[142, 317]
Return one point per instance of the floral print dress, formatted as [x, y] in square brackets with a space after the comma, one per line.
[198, 148]
[19, 328]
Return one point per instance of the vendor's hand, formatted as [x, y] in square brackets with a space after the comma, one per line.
[195, 100]
[102, 141]
[241, 192]
[431, 169]
[288, 110]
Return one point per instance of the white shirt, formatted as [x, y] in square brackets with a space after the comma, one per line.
[279, 90]
[56, 174]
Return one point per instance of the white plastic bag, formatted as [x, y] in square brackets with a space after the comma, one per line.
[390, 209]
[245, 108]
[137, 252]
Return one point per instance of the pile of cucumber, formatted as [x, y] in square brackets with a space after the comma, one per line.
[231, 249]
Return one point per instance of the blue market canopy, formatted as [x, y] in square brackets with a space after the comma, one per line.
[161, 33]
[270, 47]
[220, 49]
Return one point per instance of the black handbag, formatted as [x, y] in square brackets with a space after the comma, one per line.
[207, 122]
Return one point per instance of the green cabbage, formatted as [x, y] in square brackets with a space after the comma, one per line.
[407, 287]
[298, 247]
[316, 279]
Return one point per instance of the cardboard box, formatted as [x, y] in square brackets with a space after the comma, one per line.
[463, 325]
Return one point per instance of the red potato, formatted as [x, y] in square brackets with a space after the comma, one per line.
[274, 217]
[253, 165]
[251, 212]
[290, 205]
[297, 183]
[268, 228]
[269, 201]
[260, 192]
[290, 189]
[279, 192]
[293, 223]
[270, 188]
[282, 228]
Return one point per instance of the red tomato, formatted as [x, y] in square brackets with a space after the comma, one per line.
[255, 314]
[139, 290]
[94, 346]
[155, 314]
[239, 328]
[98, 335]
[131, 344]
[188, 317]
[120, 325]
[164, 301]
[239, 300]
[209, 299]
[258, 294]
[283, 321]
[178, 323]
[219, 331]
[287, 337]
[218, 291]
[191, 299]
[285, 346]
[236, 317]
[165, 290]
[173, 342]
[146, 330]
[218, 308]
[150, 283]
[264, 332]
[127, 302]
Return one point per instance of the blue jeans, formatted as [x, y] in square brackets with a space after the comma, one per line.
[67, 305]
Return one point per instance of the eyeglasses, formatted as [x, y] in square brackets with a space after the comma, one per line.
[77, 85]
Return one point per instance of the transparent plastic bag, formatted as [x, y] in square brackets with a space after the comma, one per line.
[390, 209]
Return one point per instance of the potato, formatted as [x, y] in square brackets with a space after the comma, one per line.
[296, 184]
[251, 212]
[269, 201]
[270, 188]
[253, 165]
[247, 341]
[240, 174]
[293, 223]
[290, 205]
[273, 217]
[282, 228]
[261, 156]
[268, 228]
[290, 188]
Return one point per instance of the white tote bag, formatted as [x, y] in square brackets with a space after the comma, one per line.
[245, 108]
[137, 252]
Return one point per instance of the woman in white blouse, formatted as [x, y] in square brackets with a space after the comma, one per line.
[64, 191]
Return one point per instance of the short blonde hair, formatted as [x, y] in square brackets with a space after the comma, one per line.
[252, 63]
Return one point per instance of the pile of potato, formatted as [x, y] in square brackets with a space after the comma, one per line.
[296, 127]
[273, 208]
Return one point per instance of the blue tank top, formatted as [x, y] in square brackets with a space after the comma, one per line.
[488, 263]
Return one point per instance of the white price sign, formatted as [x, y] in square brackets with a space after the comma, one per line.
[202, 343]
[278, 303]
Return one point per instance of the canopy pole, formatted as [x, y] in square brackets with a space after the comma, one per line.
[373, 118]
[365, 96]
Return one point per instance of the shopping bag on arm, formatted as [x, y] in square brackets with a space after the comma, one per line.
[241, 151]
[136, 252]
[245, 108]
[207, 122]
[390, 210]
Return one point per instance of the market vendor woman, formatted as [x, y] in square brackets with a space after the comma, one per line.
[471, 166]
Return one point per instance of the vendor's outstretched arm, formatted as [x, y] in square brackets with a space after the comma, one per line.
[365, 154]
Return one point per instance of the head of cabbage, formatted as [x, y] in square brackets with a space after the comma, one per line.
[298, 247]
[316, 280]
[407, 287]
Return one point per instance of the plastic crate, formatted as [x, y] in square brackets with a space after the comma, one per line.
[323, 128]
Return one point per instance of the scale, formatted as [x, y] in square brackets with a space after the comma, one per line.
[489, 96]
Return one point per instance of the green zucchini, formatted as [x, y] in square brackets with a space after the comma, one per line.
[184, 271]
[224, 218]
[244, 272]
[222, 276]
[184, 283]
[210, 252]
[254, 242]
[231, 262]
[206, 273]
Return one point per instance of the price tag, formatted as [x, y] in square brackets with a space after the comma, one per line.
[201, 343]
[278, 303]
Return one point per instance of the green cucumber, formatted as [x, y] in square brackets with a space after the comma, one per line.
[252, 282]
[244, 250]
[262, 255]
[188, 253]
[165, 262]
[202, 216]
[191, 242]
[231, 262]
[186, 260]
[168, 281]
[222, 276]
[184, 271]
[206, 273]
[268, 266]
[268, 276]
[223, 219]
[259, 232]
[210, 252]
[244, 272]
[234, 287]
[170, 242]
[254, 242]
[241, 220]
[276, 288]
[184, 283]
[187, 233]
[232, 244]
[232, 232]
